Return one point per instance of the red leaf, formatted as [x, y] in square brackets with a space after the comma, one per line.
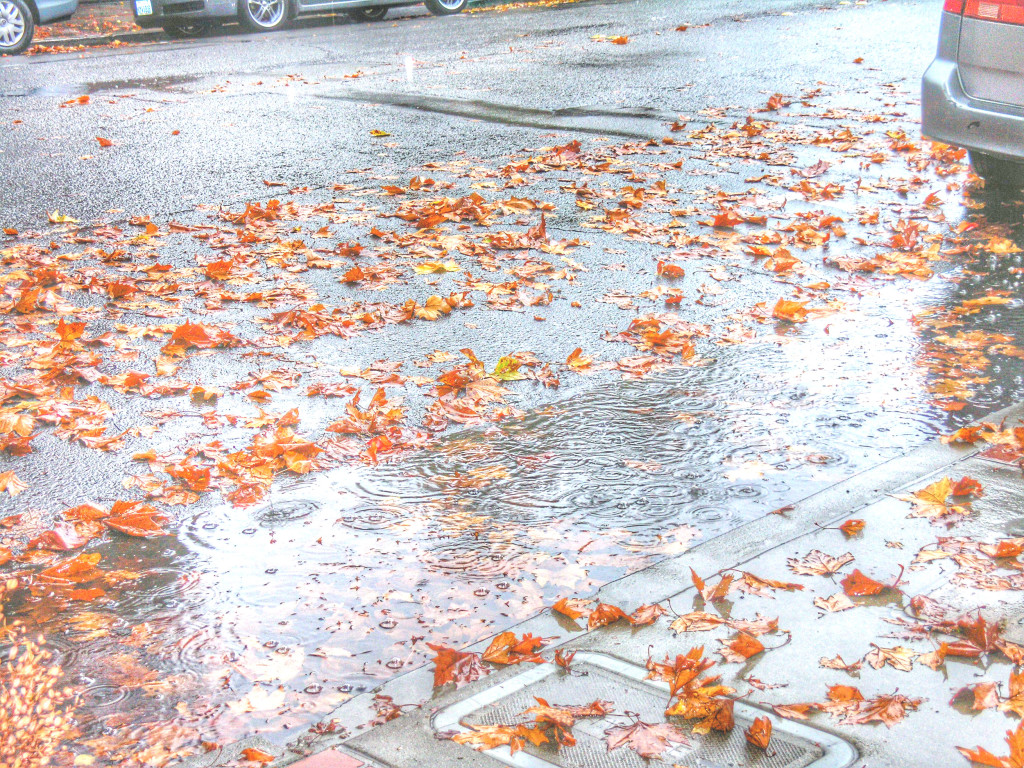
[859, 585]
[138, 524]
[852, 527]
[459, 667]
[604, 615]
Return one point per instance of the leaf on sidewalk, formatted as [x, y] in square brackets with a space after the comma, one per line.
[458, 667]
[898, 657]
[740, 647]
[1014, 739]
[838, 663]
[573, 607]
[835, 603]
[710, 593]
[817, 563]
[698, 621]
[646, 739]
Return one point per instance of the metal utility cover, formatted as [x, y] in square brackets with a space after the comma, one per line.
[597, 676]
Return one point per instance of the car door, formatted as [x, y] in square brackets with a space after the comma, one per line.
[990, 57]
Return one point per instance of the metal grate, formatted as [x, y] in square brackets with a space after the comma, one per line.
[794, 745]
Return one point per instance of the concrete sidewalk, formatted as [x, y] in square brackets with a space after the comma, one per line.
[901, 649]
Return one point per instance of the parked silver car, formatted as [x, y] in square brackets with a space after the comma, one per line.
[972, 95]
[18, 19]
[188, 17]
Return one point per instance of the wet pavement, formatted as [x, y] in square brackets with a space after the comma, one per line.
[937, 583]
[700, 412]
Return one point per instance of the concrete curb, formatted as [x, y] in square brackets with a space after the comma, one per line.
[141, 36]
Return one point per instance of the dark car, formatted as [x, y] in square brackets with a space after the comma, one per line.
[185, 17]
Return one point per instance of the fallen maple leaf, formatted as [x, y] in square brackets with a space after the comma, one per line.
[257, 755]
[646, 614]
[605, 614]
[9, 482]
[932, 501]
[485, 737]
[852, 527]
[697, 621]
[983, 696]
[859, 585]
[573, 607]
[1014, 739]
[760, 732]
[838, 663]
[835, 603]
[104, 142]
[56, 217]
[967, 486]
[646, 739]
[564, 660]
[898, 658]
[428, 267]
[376, 132]
[755, 585]
[670, 270]
[709, 593]
[817, 563]
[1015, 701]
[458, 667]
[790, 311]
[740, 647]
[507, 649]
[138, 524]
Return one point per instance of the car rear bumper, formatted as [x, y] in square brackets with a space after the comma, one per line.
[951, 116]
[183, 11]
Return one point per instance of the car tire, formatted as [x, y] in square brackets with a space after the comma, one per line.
[262, 15]
[184, 31]
[368, 14]
[446, 7]
[1001, 176]
[16, 26]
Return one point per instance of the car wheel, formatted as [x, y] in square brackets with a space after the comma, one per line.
[184, 30]
[1000, 175]
[445, 7]
[369, 14]
[16, 26]
[262, 15]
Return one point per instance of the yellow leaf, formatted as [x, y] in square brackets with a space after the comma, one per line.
[436, 266]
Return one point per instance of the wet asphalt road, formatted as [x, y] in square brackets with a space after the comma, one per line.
[208, 120]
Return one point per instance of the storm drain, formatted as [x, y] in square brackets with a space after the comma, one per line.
[596, 676]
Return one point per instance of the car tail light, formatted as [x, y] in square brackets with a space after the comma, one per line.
[954, 6]
[1005, 11]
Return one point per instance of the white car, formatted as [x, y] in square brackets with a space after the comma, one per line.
[189, 17]
[972, 95]
[18, 19]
